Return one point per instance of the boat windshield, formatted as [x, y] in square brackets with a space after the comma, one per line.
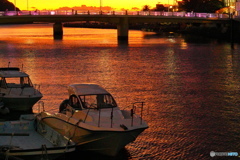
[15, 82]
[98, 101]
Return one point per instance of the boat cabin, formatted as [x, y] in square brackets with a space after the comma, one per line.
[90, 96]
[13, 78]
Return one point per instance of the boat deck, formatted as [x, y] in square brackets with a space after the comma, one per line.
[33, 141]
[22, 134]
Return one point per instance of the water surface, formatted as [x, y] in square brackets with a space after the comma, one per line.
[191, 87]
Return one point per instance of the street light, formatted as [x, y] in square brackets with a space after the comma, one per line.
[170, 6]
[15, 9]
[27, 5]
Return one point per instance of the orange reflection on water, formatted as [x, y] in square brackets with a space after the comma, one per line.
[189, 88]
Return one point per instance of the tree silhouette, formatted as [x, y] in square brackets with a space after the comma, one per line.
[209, 6]
[6, 5]
[146, 8]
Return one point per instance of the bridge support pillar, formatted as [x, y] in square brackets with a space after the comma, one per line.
[122, 29]
[58, 30]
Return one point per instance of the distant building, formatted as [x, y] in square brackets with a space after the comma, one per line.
[167, 7]
[86, 8]
[160, 7]
[237, 8]
[229, 2]
[233, 6]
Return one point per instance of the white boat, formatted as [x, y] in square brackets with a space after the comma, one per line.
[92, 119]
[30, 139]
[17, 91]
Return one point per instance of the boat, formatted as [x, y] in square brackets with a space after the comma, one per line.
[93, 120]
[28, 138]
[17, 91]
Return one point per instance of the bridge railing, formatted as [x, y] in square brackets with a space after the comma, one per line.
[94, 12]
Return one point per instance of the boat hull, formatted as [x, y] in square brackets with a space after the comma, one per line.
[103, 142]
[20, 103]
[37, 154]
[106, 142]
[28, 138]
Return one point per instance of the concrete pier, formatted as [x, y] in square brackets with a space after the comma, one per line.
[122, 28]
[58, 30]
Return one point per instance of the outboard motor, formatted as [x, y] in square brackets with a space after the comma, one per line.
[63, 105]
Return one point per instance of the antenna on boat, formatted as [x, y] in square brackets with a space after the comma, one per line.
[9, 64]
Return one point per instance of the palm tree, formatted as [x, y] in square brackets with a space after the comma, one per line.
[146, 8]
[6, 5]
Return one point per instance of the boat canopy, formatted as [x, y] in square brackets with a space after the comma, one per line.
[12, 73]
[9, 69]
[12, 77]
[86, 89]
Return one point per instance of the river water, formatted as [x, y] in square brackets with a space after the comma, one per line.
[190, 85]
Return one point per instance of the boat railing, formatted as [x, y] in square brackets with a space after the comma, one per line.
[99, 116]
[86, 116]
[41, 107]
[44, 152]
[9, 91]
[36, 88]
[134, 110]
[12, 135]
[111, 118]
[15, 88]
[22, 87]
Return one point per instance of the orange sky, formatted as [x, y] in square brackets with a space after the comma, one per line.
[54, 4]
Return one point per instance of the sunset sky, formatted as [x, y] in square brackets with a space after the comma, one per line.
[54, 4]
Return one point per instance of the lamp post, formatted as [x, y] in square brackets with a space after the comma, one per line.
[168, 5]
[15, 9]
[228, 4]
[27, 5]
[100, 6]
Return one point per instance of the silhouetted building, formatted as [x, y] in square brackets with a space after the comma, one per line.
[229, 2]
[160, 7]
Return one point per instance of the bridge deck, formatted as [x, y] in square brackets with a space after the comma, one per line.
[122, 19]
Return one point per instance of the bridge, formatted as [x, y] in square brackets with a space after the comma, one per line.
[121, 18]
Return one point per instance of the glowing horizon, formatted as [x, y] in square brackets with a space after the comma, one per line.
[116, 5]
